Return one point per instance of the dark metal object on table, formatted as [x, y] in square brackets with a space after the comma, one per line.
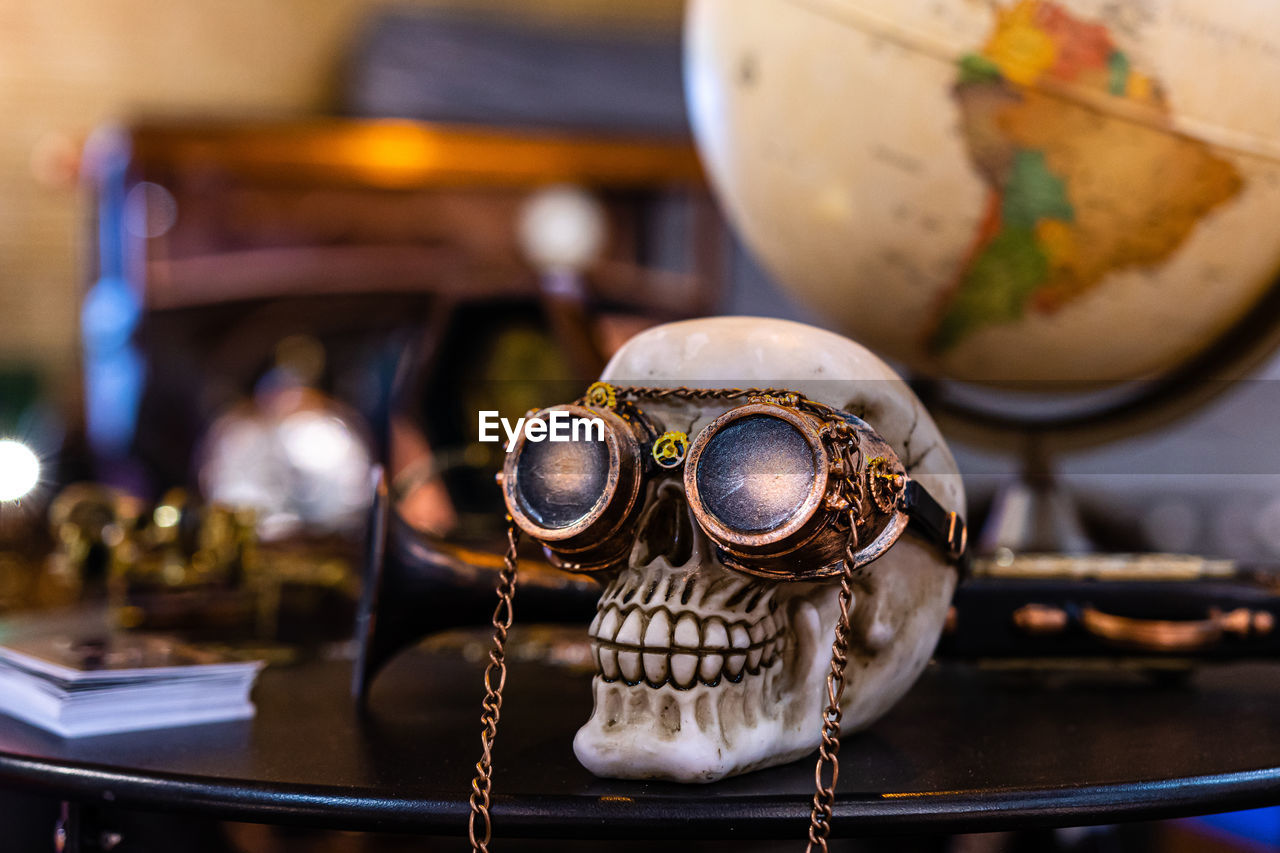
[88, 523]
[1144, 610]
[416, 584]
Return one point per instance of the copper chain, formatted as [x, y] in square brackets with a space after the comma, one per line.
[681, 392]
[824, 795]
[829, 748]
[691, 394]
[495, 678]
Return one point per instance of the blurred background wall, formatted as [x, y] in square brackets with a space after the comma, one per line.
[67, 67]
[71, 67]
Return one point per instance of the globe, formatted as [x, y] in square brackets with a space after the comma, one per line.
[1075, 190]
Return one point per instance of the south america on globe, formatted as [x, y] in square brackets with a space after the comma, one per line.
[1074, 194]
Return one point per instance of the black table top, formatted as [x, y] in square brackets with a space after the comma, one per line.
[966, 750]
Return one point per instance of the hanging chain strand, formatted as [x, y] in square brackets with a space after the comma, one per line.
[495, 678]
[856, 490]
[824, 795]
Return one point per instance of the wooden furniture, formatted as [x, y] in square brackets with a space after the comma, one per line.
[365, 235]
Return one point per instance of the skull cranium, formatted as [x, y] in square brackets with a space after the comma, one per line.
[705, 672]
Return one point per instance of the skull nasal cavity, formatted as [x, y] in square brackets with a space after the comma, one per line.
[666, 530]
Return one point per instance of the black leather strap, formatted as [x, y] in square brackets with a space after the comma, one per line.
[938, 526]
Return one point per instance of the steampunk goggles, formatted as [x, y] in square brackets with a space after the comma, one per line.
[786, 487]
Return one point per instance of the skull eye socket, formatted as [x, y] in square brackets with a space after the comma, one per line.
[755, 473]
[561, 483]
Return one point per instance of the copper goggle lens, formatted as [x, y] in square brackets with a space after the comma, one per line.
[754, 474]
[579, 493]
[561, 483]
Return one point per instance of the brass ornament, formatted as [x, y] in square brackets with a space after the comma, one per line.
[670, 449]
[601, 395]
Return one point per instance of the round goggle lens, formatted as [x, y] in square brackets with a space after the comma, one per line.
[560, 482]
[755, 473]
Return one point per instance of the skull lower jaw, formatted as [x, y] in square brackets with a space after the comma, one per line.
[705, 733]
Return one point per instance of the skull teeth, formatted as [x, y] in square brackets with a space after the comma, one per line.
[687, 632]
[609, 663]
[659, 647]
[684, 669]
[659, 634]
[710, 668]
[629, 662]
[715, 634]
[630, 632]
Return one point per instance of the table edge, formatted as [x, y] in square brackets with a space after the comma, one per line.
[334, 807]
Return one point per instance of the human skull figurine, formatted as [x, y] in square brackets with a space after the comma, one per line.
[704, 672]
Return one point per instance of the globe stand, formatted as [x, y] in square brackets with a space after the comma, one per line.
[1033, 514]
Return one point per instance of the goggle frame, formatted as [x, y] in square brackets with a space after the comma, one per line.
[860, 490]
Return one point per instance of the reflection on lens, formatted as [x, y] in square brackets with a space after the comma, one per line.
[755, 473]
[559, 482]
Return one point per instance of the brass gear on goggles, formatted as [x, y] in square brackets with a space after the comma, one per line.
[784, 486]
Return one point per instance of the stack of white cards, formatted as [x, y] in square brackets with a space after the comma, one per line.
[124, 683]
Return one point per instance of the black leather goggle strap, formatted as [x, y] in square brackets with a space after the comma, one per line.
[939, 526]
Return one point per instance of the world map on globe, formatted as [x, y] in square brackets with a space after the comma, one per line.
[1064, 209]
[1003, 190]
